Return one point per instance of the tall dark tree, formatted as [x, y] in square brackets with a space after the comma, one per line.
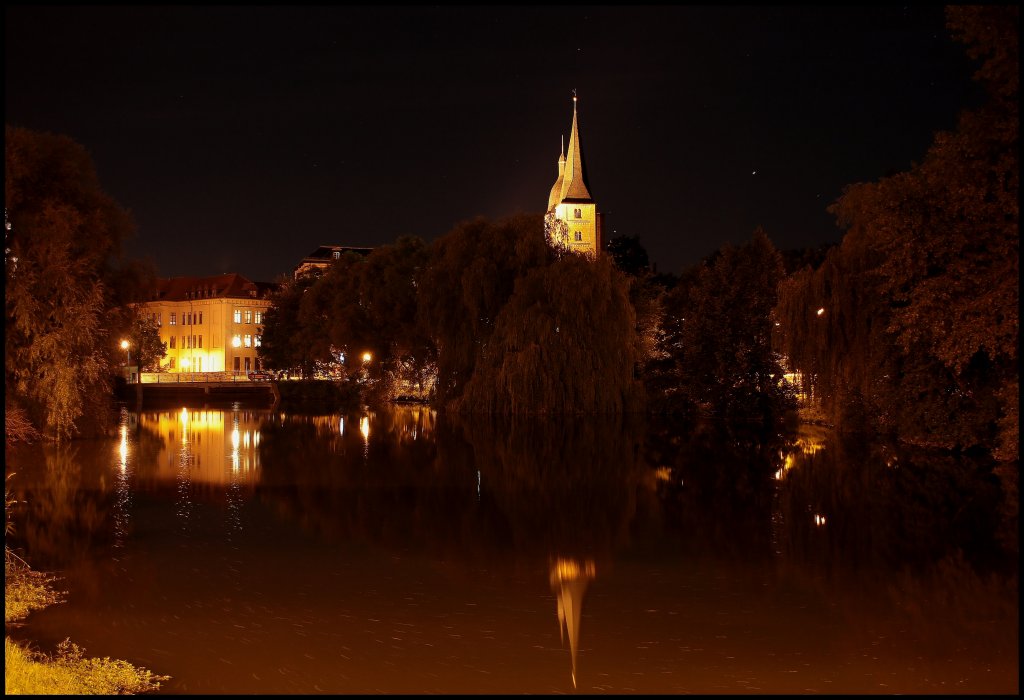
[718, 347]
[629, 254]
[920, 329]
[62, 243]
[470, 277]
[564, 343]
[286, 344]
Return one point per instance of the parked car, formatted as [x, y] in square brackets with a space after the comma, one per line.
[259, 376]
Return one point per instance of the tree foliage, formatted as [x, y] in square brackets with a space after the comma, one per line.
[565, 342]
[145, 345]
[286, 343]
[920, 330]
[471, 275]
[63, 237]
[715, 353]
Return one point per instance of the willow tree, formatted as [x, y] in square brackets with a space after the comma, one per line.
[62, 241]
[470, 276]
[566, 342]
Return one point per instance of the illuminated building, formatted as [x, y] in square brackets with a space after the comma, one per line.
[572, 219]
[209, 324]
[320, 259]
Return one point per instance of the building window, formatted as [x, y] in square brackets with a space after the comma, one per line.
[337, 254]
[200, 318]
[248, 315]
[188, 341]
[173, 320]
[259, 317]
[170, 363]
[172, 342]
[159, 319]
[578, 213]
[200, 341]
[238, 315]
[248, 340]
[257, 340]
[238, 363]
[579, 236]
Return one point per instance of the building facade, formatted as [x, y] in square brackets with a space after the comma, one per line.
[572, 220]
[209, 324]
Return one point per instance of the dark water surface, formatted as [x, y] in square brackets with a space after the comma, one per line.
[244, 551]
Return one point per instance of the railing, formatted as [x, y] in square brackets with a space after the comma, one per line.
[194, 377]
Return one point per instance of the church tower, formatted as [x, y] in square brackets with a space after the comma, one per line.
[573, 221]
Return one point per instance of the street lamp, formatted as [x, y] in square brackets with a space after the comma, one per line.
[126, 346]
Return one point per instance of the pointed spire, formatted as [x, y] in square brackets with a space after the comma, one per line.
[574, 185]
[555, 195]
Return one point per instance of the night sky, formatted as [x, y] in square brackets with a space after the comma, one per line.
[242, 138]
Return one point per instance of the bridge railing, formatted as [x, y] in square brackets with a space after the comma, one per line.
[193, 377]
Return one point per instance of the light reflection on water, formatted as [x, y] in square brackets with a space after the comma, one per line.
[243, 551]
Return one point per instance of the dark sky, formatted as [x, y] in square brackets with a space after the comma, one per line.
[241, 138]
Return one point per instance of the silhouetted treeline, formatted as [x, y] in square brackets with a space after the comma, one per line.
[910, 326]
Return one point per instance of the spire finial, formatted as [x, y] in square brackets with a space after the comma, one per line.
[574, 97]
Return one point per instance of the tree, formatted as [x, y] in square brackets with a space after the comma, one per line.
[565, 342]
[718, 345]
[470, 275]
[629, 255]
[145, 344]
[285, 343]
[921, 327]
[63, 236]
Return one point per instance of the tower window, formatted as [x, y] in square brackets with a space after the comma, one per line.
[579, 236]
[578, 213]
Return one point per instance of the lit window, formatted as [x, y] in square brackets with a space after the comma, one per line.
[248, 315]
[337, 254]
[173, 320]
[259, 317]
[248, 341]
[256, 340]
[238, 315]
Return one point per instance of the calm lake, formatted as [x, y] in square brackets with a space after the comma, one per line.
[398, 551]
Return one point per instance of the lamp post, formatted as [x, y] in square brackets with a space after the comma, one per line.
[126, 346]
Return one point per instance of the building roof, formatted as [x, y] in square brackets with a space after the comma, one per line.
[327, 252]
[321, 258]
[230, 286]
[573, 175]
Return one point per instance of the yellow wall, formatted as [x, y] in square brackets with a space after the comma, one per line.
[587, 224]
[217, 329]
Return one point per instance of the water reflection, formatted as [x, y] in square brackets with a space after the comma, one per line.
[255, 552]
[569, 581]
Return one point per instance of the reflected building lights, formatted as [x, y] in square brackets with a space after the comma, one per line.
[569, 580]
[122, 508]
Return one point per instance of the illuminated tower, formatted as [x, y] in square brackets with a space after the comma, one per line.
[573, 220]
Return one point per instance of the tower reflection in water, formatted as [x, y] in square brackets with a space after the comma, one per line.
[569, 581]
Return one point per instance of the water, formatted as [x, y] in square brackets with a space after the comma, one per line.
[243, 551]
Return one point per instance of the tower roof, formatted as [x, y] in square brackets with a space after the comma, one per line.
[574, 178]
